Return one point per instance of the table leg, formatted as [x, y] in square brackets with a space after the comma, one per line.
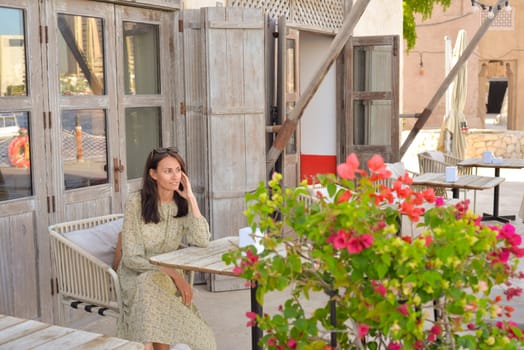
[495, 215]
[256, 332]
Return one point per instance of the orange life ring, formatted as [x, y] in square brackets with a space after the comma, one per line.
[18, 151]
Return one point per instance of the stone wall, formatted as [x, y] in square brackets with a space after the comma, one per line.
[503, 143]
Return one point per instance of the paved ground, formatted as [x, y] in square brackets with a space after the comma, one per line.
[225, 311]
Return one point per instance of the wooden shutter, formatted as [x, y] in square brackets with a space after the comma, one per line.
[234, 107]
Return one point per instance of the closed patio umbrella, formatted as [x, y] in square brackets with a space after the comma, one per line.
[455, 118]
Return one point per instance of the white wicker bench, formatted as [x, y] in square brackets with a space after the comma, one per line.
[84, 281]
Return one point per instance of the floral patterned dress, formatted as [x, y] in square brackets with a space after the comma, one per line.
[152, 309]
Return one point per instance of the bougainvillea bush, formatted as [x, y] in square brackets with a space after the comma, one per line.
[425, 285]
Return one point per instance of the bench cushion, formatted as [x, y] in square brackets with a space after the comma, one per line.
[100, 241]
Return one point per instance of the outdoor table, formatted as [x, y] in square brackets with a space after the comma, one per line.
[209, 260]
[501, 163]
[469, 182]
[18, 333]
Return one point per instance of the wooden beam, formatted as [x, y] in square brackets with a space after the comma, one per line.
[424, 116]
[334, 50]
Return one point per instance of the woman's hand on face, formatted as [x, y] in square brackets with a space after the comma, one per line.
[184, 288]
[187, 192]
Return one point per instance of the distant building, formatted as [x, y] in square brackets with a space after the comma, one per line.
[495, 70]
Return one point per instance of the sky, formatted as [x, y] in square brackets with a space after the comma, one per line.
[11, 21]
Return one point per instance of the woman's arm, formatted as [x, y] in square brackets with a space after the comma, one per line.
[133, 249]
[195, 226]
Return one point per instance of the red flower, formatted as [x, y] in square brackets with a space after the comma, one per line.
[412, 211]
[406, 239]
[429, 195]
[344, 197]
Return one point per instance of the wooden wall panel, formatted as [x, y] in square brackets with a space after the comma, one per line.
[194, 139]
[18, 273]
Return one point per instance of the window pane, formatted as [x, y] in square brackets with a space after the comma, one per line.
[141, 58]
[15, 162]
[291, 146]
[142, 135]
[80, 55]
[84, 148]
[372, 122]
[372, 68]
[291, 79]
[12, 53]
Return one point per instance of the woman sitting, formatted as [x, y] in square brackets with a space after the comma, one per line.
[157, 305]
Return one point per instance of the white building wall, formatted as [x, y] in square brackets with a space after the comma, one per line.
[318, 123]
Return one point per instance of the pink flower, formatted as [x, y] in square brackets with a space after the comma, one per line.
[418, 345]
[356, 244]
[378, 168]
[252, 258]
[394, 346]
[237, 270]
[436, 329]
[379, 288]
[339, 240]
[513, 292]
[403, 309]
[439, 202]
[292, 343]
[252, 319]
[363, 330]
[366, 240]
[347, 170]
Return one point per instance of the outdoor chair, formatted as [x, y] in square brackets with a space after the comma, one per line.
[82, 257]
[436, 162]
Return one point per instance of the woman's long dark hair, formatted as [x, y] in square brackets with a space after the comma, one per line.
[149, 192]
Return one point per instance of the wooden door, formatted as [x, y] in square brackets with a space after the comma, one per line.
[144, 89]
[110, 79]
[82, 95]
[24, 250]
[234, 107]
[371, 82]
[288, 90]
